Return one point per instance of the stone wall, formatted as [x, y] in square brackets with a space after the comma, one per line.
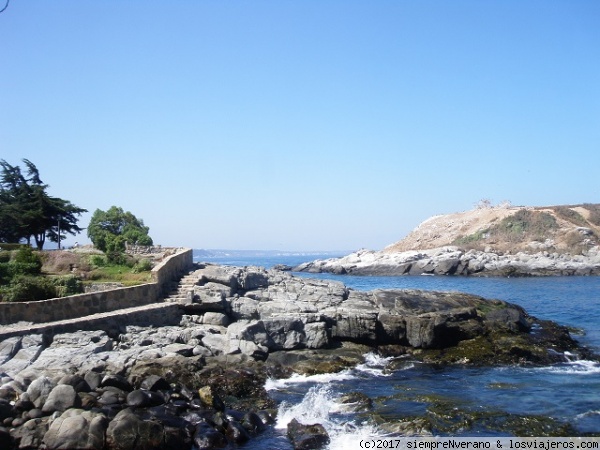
[172, 268]
[169, 270]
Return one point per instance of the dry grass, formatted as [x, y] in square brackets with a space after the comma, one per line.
[64, 262]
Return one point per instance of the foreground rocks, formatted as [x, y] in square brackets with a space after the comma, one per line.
[201, 383]
[454, 261]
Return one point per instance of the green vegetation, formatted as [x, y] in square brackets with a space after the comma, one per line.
[110, 230]
[129, 273]
[523, 226]
[467, 241]
[28, 275]
[27, 211]
[568, 214]
[21, 278]
[594, 216]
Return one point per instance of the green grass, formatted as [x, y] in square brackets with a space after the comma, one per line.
[118, 274]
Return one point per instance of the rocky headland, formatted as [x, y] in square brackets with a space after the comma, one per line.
[198, 381]
[488, 241]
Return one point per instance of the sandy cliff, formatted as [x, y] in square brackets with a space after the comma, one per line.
[487, 241]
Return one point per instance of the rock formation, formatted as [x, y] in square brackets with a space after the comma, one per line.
[453, 260]
[201, 383]
[487, 241]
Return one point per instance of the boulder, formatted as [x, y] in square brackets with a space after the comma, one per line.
[77, 429]
[206, 437]
[154, 383]
[61, 398]
[39, 390]
[127, 431]
[307, 437]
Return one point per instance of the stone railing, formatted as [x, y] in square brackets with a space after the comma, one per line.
[169, 270]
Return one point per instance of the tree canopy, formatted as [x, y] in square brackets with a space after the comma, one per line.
[110, 230]
[27, 211]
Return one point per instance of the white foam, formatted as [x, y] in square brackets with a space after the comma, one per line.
[577, 367]
[373, 359]
[587, 414]
[319, 406]
[314, 408]
[276, 384]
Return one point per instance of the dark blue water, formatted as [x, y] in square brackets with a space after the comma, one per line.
[458, 400]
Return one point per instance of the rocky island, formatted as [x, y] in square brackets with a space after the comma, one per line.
[193, 376]
[487, 241]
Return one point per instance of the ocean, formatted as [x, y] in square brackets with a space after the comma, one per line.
[563, 399]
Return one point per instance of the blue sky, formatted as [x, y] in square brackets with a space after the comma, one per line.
[302, 125]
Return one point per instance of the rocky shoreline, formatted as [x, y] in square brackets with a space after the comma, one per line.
[451, 260]
[200, 383]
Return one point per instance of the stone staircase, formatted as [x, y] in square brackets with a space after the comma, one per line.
[167, 312]
[181, 292]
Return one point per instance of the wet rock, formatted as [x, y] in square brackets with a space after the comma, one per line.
[117, 381]
[112, 396]
[355, 402]
[77, 429]
[236, 433]
[154, 383]
[127, 431]
[141, 398]
[253, 423]
[210, 399]
[206, 437]
[6, 440]
[305, 437]
[78, 383]
[6, 409]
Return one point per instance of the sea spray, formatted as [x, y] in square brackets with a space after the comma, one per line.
[282, 383]
[375, 365]
[319, 405]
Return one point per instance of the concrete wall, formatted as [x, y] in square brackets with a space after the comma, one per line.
[169, 270]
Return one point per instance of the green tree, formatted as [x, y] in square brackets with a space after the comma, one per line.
[110, 230]
[27, 211]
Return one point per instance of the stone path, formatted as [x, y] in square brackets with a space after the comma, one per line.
[152, 314]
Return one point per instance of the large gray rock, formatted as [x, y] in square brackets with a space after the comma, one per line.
[127, 431]
[39, 390]
[77, 429]
[61, 398]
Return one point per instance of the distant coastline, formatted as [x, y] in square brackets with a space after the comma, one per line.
[487, 241]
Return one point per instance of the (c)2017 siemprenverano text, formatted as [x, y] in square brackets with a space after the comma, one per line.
[467, 443]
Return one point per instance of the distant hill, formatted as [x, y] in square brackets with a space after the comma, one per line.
[562, 229]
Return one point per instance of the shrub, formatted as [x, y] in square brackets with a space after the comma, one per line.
[26, 288]
[4, 256]
[26, 262]
[143, 265]
[471, 240]
[98, 260]
[566, 213]
[524, 225]
[68, 285]
[9, 247]
[594, 216]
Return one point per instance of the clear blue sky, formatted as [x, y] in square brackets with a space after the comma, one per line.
[302, 125]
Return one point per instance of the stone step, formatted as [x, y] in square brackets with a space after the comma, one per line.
[164, 313]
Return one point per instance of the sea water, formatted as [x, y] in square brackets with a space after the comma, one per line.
[455, 400]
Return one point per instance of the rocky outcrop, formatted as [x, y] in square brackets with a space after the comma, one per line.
[200, 383]
[452, 260]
